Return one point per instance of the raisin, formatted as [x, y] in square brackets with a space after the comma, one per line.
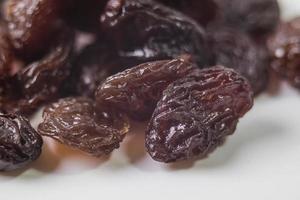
[136, 91]
[147, 29]
[20, 144]
[203, 11]
[253, 16]
[197, 113]
[284, 48]
[32, 24]
[40, 81]
[84, 15]
[75, 122]
[92, 66]
[235, 49]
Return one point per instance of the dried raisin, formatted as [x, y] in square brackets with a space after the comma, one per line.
[147, 29]
[137, 90]
[20, 144]
[40, 81]
[75, 122]
[197, 113]
[32, 24]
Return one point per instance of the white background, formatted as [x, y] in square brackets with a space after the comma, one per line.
[260, 161]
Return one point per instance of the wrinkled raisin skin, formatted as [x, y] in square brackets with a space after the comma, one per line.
[196, 114]
[145, 29]
[40, 81]
[203, 11]
[136, 91]
[20, 144]
[75, 122]
[284, 50]
[32, 24]
[234, 49]
[256, 17]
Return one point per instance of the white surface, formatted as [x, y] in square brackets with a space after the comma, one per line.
[261, 161]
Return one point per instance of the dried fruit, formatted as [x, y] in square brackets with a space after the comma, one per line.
[75, 122]
[32, 24]
[40, 81]
[20, 144]
[197, 113]
[253, 16]
[236, 50]
[284, 48]
[137, 90]
[203, 11]
[145, 29]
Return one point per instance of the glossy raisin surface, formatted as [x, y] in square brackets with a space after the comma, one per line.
[20, 144]
[236, 50]
[147, 29]
[203, 11]
[253, 16]
[197, 113]
[32, 24]
[284, 48]
[40, 81]
[75, 122]
[137, 90]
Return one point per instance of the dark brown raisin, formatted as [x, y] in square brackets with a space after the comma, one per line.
[137, 90]
[32, 24]
[253, 16]
[197, 113]
[284, 48]
[75, 122]
[145, 29]
[20, 144]
[203, 11]
[235, 49]
[40, 81]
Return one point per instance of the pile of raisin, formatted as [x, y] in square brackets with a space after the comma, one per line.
[191, 68]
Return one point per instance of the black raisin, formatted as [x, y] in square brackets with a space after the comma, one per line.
[20, 144]
[149, 30]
